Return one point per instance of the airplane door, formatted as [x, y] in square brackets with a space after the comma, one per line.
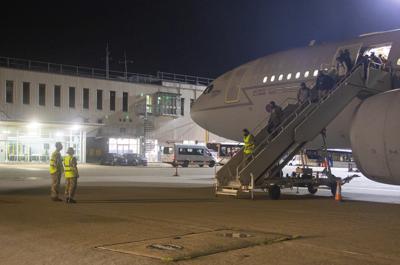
[233, 91]
[354, 50]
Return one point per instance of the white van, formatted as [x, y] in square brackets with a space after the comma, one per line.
[185, 155]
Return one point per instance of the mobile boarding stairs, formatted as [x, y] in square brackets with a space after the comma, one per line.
[274, 150]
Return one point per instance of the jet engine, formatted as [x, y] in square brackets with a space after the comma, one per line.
[375, 137]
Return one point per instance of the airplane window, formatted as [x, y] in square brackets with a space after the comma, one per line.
[280, 77]
[306, 74]
[315, 73]
[289, 76]
[265, 79]
[272, 78]
[398, 61]
[297, 75]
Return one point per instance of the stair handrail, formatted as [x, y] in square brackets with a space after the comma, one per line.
[302, 107]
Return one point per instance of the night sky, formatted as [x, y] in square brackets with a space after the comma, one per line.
[202, 37]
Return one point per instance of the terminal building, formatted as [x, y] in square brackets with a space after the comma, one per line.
[94, 111]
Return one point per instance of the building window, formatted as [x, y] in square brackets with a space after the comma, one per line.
[26, 93]
[99, 99]
[125, 101]
[297, 75]
[306, 74]
[86, 98]
[273, 78]
[42, 94]
[9, 91]
[57, 96]
[112, 100]
[265, 79]
[72, 97]
[182, 106]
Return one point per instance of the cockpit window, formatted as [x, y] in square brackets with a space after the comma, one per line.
[208, 89]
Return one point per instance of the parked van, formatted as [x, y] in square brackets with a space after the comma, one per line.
[185, 155]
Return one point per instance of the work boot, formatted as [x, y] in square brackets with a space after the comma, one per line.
[71, 200]
[56, 199]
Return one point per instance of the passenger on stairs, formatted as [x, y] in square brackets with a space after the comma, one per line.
[275, 116]
[249, 145]
[344, 60]
[304, 93]
[376, 61]
[324, 84]
[363, 59]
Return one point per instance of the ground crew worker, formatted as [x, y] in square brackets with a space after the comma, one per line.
[56, 170]
[71, 175]
[249, 145]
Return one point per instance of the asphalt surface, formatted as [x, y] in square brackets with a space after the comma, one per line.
[118, 205]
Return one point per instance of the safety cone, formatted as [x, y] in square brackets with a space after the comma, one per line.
[338, 196]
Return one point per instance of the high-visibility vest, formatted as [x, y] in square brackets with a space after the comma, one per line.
[248, 144]
[69, 171]
[54, 160]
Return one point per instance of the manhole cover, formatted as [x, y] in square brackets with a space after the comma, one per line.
[235, 235]
[165, 246]
[190, 246]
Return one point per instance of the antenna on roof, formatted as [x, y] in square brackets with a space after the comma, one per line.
[125, 62]
[107, 62]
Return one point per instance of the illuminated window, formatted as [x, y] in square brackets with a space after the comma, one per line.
[289, 76]
[265, 79]
[280, 77]
[297, 75]
[306, 74]
[398, 61]
[272, 78]
[315, 73]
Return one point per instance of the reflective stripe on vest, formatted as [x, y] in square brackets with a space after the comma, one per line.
[68, 169]
[248, 146]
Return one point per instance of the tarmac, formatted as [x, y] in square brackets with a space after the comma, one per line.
[128, 215]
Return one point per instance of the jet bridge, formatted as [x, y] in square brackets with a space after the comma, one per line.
[274, 150]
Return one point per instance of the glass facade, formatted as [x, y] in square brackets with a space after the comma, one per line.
[33, 142]
[124, 145]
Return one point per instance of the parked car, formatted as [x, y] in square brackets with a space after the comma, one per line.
[112, 159]
[135, 160]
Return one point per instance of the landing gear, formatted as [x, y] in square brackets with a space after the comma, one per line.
[274, 192]
[212, 163]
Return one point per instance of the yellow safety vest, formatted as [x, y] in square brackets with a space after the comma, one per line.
[69, 171]
[248, 144]
[54, 160]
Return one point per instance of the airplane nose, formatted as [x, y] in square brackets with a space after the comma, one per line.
[197, 115]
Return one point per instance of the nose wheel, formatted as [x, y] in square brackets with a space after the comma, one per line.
[274, 192]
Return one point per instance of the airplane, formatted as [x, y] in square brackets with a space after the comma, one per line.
[370, 127]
